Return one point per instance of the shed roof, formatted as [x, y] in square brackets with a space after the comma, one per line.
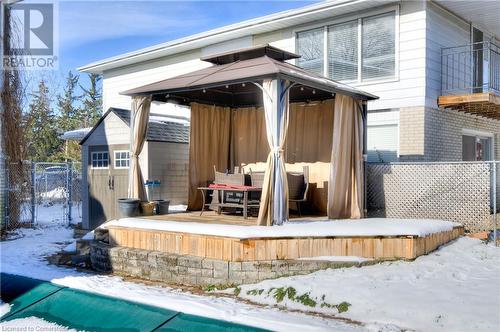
[258, 65]
[159, 130]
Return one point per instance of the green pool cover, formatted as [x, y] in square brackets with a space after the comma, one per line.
[85, 311]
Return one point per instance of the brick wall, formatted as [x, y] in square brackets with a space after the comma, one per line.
[428, 134]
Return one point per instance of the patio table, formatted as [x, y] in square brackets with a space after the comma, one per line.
[245, 205]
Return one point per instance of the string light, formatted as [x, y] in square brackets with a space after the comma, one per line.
[204, 91]
[314, 92]
[243, 84]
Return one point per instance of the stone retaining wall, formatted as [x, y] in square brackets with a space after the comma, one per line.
[196, 271]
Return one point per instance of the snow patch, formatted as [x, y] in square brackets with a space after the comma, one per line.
[4, 308]
[355, 259]
[303, 228]
[453, 289]
[32, 324]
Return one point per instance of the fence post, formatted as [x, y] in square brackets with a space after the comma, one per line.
[69, 167]
[33, 192]
[494, 171]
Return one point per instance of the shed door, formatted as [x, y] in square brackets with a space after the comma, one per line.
[101, 205]
[108, 181]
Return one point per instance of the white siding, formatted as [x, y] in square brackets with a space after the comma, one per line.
[443, 30]
[170, 164]
[110, 131]
[119, 80]
[408, 88]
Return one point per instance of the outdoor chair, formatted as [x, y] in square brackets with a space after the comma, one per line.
[298, 186]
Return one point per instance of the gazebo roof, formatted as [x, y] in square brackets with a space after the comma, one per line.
[225, 82]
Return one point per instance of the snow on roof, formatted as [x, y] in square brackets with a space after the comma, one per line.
[303, 228]
[75, 135]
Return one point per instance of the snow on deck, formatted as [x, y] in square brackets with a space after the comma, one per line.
[303, 228]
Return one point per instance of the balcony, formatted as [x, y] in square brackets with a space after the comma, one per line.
[470, 79]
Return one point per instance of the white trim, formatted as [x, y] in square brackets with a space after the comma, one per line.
[478, 133]
[94, 153]
[115, 159]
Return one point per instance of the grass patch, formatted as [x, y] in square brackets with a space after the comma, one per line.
[237, 291]
[306, 300]
[255, 292]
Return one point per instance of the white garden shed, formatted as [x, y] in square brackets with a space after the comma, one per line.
[105, 162]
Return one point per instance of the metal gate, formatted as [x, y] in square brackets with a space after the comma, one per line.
[43, 193]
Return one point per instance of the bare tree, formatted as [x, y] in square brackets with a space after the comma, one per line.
[12, 131]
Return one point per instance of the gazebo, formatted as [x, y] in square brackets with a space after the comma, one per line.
[252, 105]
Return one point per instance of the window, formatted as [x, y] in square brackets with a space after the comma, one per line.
[122, 159]
[379, 47]
[382, 143]
[343, 51]
[359, 50]
[100, 159]
[310, 47]
[476, 148]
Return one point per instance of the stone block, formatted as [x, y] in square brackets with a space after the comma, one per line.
[279, 266]
[221, 273]
[234, 266]
[265, 266]
[189, 261]
[138, 254]
[220, 265]
[192, 271]
[263, 275]
[250, 266]
[167, 260]
[182, 270]
[207, 273]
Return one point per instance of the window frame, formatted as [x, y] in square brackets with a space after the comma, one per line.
[92, 158]
[115, 159]
[359, 18]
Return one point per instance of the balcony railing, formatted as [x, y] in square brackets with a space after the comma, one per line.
[473, 68]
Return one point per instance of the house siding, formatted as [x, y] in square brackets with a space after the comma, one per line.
[423, 28]
[170, 165]
[443, 30]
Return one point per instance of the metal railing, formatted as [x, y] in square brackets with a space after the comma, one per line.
[473, 68]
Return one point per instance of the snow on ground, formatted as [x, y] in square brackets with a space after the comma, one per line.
[32, 324]
[454, 289]
[4, 308]
[355, 259]
[303, 228]
[23, 255]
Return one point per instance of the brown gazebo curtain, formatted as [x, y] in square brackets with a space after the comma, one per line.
[248, 136]
[139, 119]
[209, 143]
[345, 187]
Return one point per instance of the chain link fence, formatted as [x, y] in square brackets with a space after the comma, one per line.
[42, 193]
[464, 192]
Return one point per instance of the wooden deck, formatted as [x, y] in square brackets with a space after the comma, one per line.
[211, 217]
[271, 248]
[481, 104]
